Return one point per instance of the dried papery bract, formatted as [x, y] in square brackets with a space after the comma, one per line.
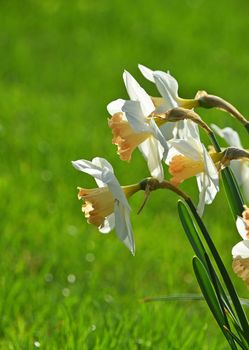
[177, 114]
[234, 153]
[211, 101]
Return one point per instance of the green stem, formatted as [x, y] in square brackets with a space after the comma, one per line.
[234, 297]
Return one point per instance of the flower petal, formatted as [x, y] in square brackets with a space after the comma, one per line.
[153, 153]
[147, 73]
[169, 82]
[189, 148]
[118, 193]
[201, 181]
[210, 168]
[137, 93]
[229, 135]
[107, 171]
[237, 167]
[245, 179]
[115, 106]
[188, 129]
[241, 227]
[108, 225]
[123, 226]
[168, 130]
[168, 87]
[241, 249]
[135, 116]
[159, 136]
[88, 168]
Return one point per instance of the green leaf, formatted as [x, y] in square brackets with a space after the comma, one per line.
[243, 346]
[208, 291]
[225, 276]
[191, 231]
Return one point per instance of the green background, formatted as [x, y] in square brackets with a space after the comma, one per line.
[61, 63]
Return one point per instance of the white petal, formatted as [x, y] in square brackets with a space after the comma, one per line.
[237, 169]
[137, 93]
[123, 226]
[172, 152]
[153, 152]
[212, 177]
[167, 86]
[210, 168]
[245, 179]
[118, 193]
[159, 136]
[190, 148]
[229, 135]
[241, 227]
[167, 130]
[135, 117]
[241, 249]
[147, 73]
[115, 106]
[202, 198]
[108, 225]
[88, 168]
[188, 129]
[102, 163]
[107, 171]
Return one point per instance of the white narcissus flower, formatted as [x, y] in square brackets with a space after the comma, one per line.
[240, 167]
[189, 157]
[167, 86]
[106, 206]
[240, 251]
[132, 127]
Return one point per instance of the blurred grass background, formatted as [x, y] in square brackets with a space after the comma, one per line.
[64, 285]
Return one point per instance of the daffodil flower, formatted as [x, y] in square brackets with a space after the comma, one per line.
[167, 86]
[240, 167]
[189, 157]
[132, 126]
[240, 251]
[106, 206]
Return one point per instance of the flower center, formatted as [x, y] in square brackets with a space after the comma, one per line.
[181, 168]
[124, 136]
[99, 203]
[241, 268]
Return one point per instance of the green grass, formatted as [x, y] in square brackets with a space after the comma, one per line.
[61, 63]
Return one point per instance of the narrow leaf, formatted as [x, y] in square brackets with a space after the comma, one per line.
[191, 231]
[209, 294]
[229, 285]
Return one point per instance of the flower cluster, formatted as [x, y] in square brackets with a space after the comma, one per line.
[165, 129]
